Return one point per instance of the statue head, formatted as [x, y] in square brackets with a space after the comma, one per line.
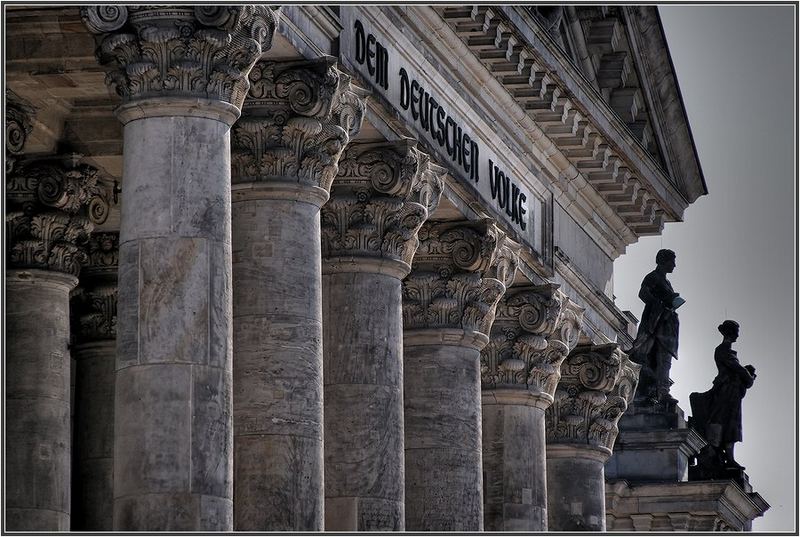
[729, 329]
[665, 259]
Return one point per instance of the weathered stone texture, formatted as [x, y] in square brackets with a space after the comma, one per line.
[173, 436]
[597, 384]
[37, 435]
[443, 438]
[515, 497]
[297, 119]
[364, 471]
[278, 366]
[534, 329]
[575, 489]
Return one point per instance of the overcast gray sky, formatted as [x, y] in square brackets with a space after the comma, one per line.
[735, 249]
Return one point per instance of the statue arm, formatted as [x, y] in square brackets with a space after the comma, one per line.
[727, 360]
[652, 292]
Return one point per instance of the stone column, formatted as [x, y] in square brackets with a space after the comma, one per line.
[460, 271]
[597, 384]
[298, 117]
[380, 198]
[51, 210]
[94, 351]
[534, 329]
[182, 74]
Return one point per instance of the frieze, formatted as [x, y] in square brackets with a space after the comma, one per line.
[380, 198]
[597, 384]
[452, 284]
[181, 51]
[296, 121]
[51, 210]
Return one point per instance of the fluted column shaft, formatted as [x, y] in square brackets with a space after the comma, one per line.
[182, 74]
[297, 119]
[534, 329]
[51, 209]
[94, 316]
[381, 196]
[459, 273]
[597, 384]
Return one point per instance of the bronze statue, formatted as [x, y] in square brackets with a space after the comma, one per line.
[656, 341]
[717, 413]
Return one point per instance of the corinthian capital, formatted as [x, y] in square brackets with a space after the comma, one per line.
[52, 208]
[519, 353]
[297, 119]
[381, 196]
[181, 51]
[597, 384]
[454, 282]
[94, 303]
[18, 127]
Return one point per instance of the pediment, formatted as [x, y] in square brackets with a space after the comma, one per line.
[629, 62]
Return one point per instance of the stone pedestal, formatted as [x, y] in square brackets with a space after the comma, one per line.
[94, 316]
[718, 505]
[460, 272]
[534, 329]
[51, 209]
[182, 74]
[37, 400]
[381, 196]
[597, 384]
[297, 119]
[654, 444]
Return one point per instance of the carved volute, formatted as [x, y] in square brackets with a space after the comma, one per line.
[597, 384]
[535, 328]
[296, 121]
[19, 125]
[51, 209]
[94, 302]
[380, 198]
[181, 51]
[460, 271]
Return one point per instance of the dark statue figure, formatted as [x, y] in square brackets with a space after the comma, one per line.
[656, 341]
[717, 413]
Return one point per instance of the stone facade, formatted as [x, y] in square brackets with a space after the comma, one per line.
[337, 268]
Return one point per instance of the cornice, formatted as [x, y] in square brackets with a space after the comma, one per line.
[593, 146]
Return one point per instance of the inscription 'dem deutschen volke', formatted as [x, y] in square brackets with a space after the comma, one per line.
[433, 118]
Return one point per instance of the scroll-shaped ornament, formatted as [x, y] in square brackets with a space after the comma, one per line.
[52, 208]
[451, 284]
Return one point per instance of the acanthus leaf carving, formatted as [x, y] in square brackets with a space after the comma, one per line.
[94, 302]
[525, 351]
[52, 208]
[182, 51]
[380, 198]
[296, 121]
[597, 384]
[452, 284]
